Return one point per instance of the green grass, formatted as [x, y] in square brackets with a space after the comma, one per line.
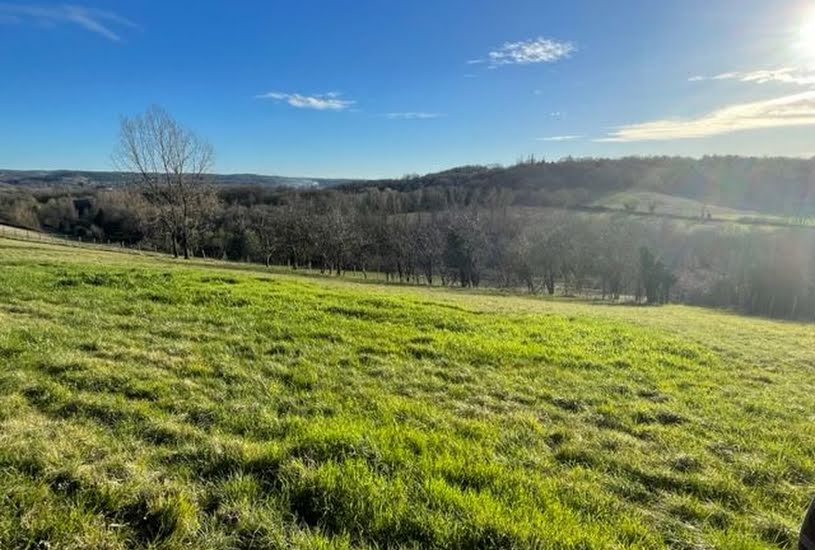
[679, 206]
[156, 404]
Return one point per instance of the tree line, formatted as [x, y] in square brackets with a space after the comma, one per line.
[545, 250]
[462, 235]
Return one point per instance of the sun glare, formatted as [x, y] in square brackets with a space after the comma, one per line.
[806, 37]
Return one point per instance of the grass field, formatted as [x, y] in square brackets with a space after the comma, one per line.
[156, 404]
[679, 206]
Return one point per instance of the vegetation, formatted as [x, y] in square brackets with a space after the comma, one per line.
[153, 403]
[760, 270]
[171, 164]
[543, 226]
[754, 269]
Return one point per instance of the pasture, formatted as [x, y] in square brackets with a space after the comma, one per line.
[152, 403]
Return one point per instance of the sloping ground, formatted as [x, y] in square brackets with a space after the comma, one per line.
[150, 403]
[9, 232]
[19, 233]
[678, 206]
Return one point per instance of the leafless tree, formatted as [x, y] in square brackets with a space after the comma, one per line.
[172, 164]
[429, 243]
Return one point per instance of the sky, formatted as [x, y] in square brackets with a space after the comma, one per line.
[376, 88]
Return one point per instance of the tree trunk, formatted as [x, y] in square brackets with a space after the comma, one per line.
[550, 284]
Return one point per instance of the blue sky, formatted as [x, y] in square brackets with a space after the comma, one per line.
[370, 88]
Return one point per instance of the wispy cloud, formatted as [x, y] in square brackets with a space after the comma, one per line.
[790, 110]
[785, 75]
[331, 101]
[103, 23]
[537, 50]
[411, 116]
[559, 138]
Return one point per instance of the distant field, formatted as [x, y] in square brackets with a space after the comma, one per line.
[150, 403]
[678, 206]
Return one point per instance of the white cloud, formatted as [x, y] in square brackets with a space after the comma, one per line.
[558, 138]
[330, 101]
[785, 75]
[96, 21]
[538, 50]
[790, 110]
[411, 116]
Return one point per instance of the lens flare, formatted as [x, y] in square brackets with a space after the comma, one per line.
[806, 37]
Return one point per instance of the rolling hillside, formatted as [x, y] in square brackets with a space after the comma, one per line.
[79, 178]
[664, 204]
[770, 186]
[150, 403]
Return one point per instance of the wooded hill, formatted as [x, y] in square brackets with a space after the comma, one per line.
[597, 227]
[780, 186]
[75, 178]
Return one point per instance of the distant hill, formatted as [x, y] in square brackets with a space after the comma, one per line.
[74, 178]
[777, 186]
[731, 186]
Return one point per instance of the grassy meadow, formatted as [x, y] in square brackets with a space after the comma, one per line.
[151, 403]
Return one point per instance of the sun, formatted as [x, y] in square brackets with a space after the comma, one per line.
[806, 37]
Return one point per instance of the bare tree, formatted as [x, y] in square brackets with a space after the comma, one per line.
[429, 242]
[172, 164]
[465, 247]
[265, 224]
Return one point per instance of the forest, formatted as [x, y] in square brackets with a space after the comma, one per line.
[534, 226]
[453, 235]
